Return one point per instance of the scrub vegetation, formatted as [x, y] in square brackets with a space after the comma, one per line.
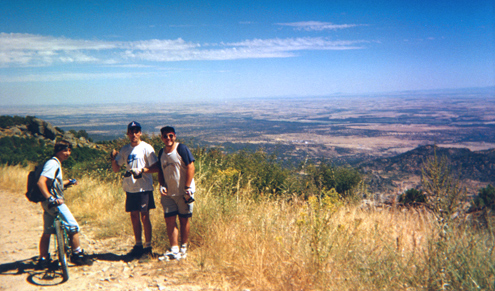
[260, 225]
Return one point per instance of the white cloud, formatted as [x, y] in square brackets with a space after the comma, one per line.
[27, 50]
[18, 49]
[316, 25]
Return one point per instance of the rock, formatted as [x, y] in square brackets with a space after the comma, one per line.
[41, 127]
[16, 131]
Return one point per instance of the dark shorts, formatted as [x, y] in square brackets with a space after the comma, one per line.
[141, 201]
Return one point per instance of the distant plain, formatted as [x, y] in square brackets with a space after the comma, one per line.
[338, 128]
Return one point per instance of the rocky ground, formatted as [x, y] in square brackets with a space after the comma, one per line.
[112, 270]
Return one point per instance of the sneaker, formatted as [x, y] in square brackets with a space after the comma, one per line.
[183, 252]
[43, 263]
[136, 252]
[81, 259]
[169, 255]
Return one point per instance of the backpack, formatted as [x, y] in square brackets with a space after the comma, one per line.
[33, 192]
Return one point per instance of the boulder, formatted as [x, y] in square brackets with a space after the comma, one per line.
[43, 128]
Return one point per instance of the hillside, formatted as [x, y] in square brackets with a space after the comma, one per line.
[383, 176]
[32, 127]
[475, 168]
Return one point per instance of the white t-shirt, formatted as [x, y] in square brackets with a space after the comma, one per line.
[49, 171]
[140, 156]
[174, 167]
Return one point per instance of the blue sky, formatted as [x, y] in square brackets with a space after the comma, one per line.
[72, 52]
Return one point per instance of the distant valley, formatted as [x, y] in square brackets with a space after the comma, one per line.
[343, 129]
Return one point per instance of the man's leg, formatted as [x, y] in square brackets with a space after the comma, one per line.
[184, 229]
[136, 226]
[145, 219]
[172, 231]
[44, 244]
[74, 241]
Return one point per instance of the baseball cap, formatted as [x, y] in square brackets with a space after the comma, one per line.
[167, 129]
[133, 124]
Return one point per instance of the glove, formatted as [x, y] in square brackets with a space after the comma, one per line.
[72, 182]
[163, 190]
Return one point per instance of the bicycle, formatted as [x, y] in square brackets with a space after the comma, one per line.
[62, 245]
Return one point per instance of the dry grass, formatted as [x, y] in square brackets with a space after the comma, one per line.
[238, 243]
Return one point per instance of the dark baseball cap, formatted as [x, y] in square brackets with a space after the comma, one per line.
[167, 129]
[133, 125]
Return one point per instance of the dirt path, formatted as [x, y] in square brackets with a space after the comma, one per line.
[20, 231]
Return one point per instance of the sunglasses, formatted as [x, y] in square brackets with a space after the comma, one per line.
[171, 136]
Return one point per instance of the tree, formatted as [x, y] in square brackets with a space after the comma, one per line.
[444, 194]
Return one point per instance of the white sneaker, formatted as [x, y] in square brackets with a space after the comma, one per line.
[183, 252]
[169, 255]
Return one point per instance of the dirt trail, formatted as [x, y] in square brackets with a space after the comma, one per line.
[19, 238]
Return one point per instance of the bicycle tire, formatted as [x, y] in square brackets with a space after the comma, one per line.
[61, 247]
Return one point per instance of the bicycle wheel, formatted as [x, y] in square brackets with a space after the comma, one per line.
[61, 247]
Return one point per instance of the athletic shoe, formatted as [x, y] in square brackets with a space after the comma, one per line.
[136, 252]
[43, 264]
[81, 259]
[183, 252]
[169, 255]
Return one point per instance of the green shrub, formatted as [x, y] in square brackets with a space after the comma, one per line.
[485, 198]
[411, 196]
[344, 180]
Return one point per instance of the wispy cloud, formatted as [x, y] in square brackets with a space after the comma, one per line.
[317, 25]
[24, 50]
[18, 49]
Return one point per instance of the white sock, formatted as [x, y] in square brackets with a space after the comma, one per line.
[174, 249]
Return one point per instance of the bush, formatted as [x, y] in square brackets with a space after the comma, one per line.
[344, 180]
[9, 121]
[485, 198]
[445, 194]
[411, 196]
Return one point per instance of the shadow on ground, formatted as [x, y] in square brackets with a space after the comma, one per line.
[52, 275]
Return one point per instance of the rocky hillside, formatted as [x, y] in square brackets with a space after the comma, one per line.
[473, 168]
[38, 128]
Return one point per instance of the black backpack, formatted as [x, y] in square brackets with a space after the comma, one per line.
[33, 192]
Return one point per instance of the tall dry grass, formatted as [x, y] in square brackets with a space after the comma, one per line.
[291, 244]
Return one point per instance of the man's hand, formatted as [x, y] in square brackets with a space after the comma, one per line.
[54, 202]
[189, 196]
[163, 191]
[136, 172]
[113, 154]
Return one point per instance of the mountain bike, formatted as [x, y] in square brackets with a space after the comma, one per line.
[62, 246]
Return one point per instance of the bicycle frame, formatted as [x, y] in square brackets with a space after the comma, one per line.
[62, 246]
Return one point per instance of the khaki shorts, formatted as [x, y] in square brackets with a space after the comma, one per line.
[175, 205]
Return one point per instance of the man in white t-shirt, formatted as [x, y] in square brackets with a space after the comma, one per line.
[51, 185]
[138, 185]
[176, 177]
